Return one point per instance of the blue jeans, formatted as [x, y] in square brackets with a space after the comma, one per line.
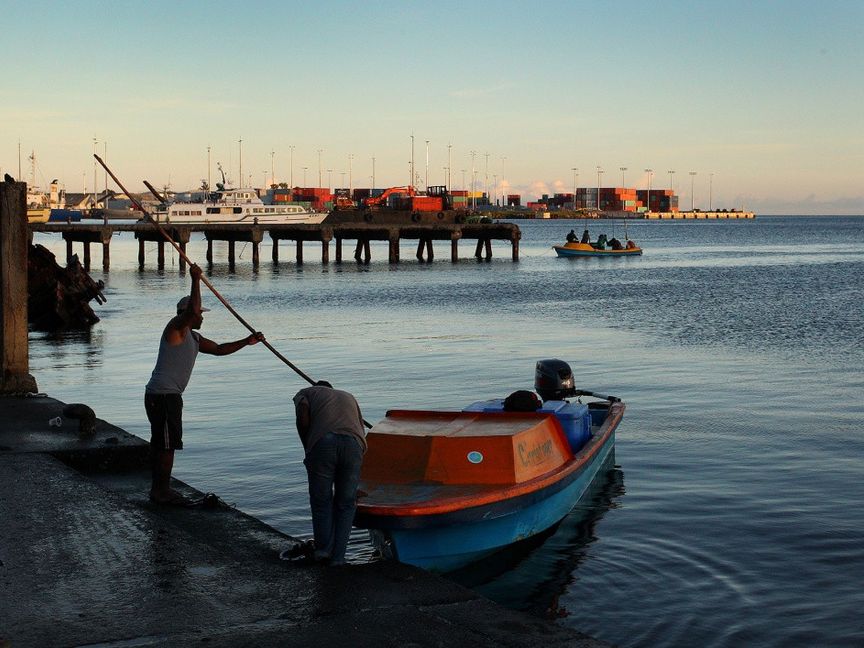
[333, 466]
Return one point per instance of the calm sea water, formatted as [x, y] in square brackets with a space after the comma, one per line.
[732, 513]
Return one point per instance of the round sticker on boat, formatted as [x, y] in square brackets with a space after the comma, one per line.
[475, 457]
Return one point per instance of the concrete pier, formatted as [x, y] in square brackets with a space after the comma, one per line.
[85, 558]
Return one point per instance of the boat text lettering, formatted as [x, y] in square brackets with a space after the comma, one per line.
[536, 455]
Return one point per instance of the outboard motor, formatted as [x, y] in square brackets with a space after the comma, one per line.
[553, 380]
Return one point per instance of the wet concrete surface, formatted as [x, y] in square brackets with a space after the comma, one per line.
[86, 558]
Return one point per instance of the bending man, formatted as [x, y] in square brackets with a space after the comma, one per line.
[330, 425]
[163, 396]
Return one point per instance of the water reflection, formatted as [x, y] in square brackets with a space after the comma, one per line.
[85, 347]
[533, 574]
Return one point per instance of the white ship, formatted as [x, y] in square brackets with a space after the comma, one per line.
[230, 205]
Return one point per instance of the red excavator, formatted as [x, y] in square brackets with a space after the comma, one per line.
[377, 201]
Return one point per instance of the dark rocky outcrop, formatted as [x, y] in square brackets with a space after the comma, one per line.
[59, 298]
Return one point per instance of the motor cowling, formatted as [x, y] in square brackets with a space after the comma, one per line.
[553, 379]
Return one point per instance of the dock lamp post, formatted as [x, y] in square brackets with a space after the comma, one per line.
[240, 146]
[503, 197]
[671, 173]
[330, 180]
[575, 171]
[622, 170]
[209, 186]
[650, 173]
[291, 163]
[473, 178]
[373, 175]
[692, 201]
[495, 186]
[710, 187]
[319, 167]
[304, 175]
[350, 176]
[448, 180]
[599, 175]
[272, 168]
[426, 179]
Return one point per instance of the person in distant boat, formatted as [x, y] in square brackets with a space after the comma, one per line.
[615, 244]
[571, 237]
[600, 244]
[330, 426]
[163, 396]
[631, 245]
[586, 238]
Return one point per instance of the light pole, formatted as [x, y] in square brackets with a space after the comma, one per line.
[105, 157]
[95, 150]
[486, 177]
[650, 172]
[692, 201]
[208, 170]
[426, 180]
[622, 170]
[495, 186]
[240, 143]
[503, 200]
[671, 173]
[373, 176]
[304, 175]
[710, 187]
[272, 168]
[319, 167]
[463, 179]
[449, 166]
[575, 171]
[330, 181]
[350, 177]
[411, 183]
[599, 174]
[291, 164]
[473, 177]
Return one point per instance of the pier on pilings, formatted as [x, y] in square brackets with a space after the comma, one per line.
[362, 234]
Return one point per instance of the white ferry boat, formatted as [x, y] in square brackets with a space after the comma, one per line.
[231, 205]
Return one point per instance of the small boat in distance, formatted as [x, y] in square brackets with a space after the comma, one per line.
[232, 205]
[602, 247]
[585, 250]
[440, 490]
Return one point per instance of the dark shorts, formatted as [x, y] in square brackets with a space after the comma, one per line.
[165, 412]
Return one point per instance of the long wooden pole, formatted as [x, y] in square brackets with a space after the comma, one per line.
[204, 279]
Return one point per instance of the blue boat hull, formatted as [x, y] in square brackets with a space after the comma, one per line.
[446, 543]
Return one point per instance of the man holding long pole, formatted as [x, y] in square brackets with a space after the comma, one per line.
[163, 397]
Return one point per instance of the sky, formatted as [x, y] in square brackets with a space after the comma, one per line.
[763, 100]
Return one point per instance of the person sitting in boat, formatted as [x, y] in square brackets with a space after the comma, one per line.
[631, 245]
[600, 244]
[571, 237]
[586, 238]
[615, 244]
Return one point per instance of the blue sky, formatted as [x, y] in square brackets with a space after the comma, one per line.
[764, 98]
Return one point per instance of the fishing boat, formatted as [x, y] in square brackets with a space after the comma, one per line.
[233, 205]
[576, 249]
[441, 490]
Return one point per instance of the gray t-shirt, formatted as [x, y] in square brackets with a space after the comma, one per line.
[173, 365]
[331, 410]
